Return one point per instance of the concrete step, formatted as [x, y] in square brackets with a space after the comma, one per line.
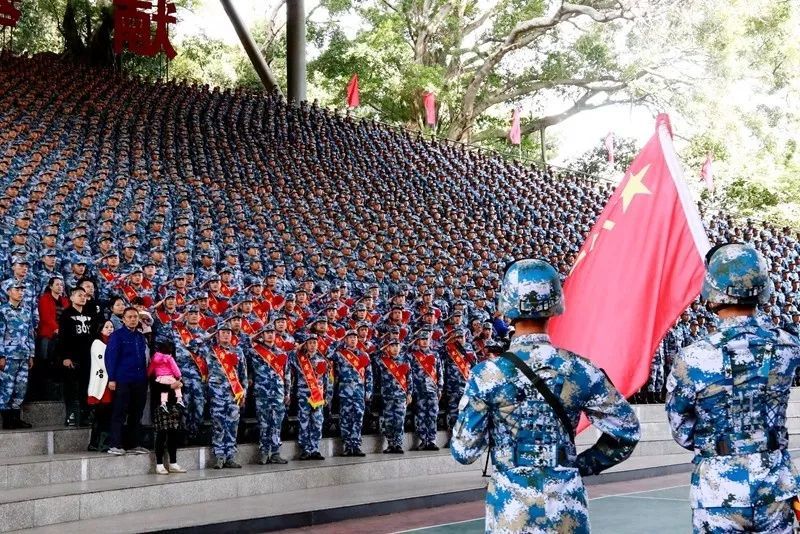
[289, 509]
[59, 503]
[38, 470]
[44, 413]
[43, 440]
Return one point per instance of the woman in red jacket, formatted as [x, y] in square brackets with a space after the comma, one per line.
[51, 303]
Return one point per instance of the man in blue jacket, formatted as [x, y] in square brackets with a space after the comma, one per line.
[126, 363]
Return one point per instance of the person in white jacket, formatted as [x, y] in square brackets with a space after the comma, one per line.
[99, 394]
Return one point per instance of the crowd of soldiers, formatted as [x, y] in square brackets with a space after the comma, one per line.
[322, 242]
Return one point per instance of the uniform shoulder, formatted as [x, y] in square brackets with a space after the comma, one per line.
[577, 363]
[785, 338]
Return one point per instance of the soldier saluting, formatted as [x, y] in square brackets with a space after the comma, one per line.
[727, 397]
[536, 484]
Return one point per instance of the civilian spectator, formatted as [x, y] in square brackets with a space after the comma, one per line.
[126, 363]
[76, 333]
[99, 395]
[52, 304]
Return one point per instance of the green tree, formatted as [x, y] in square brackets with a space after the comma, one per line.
[594, 162]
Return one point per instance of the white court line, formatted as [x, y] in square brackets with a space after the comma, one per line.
[637, 492]
[440, 525]
[630, 494]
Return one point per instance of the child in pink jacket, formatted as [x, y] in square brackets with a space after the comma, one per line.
[166, 372]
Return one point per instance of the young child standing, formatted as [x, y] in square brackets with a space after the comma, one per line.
[165, 370]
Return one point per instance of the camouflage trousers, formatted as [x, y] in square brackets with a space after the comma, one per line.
[13, 384]
[194, 397]
[310, 421]
[351, 416]
[393, 417]
[775, 518]
[270, 412]
[224, 423]
[453, 392]
[545, 501]
[425, 414]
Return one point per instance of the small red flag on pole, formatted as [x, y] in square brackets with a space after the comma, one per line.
[640, 266]
[353, 99]
[429, 101]
[707, 172]
[515, 134]
[610, 147]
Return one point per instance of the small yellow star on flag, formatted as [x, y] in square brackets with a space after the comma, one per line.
[634, 187]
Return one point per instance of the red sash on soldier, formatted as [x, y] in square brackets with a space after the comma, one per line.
[164, 316]
[226, 290]
[459, 359]
[428, 364]
[398, 370]
[107, 275]
[199, 361]
[229, 361]
[179, 299]
[206, 322]
[284, 344]
[276, 361]
[129, 293]
[216, 304]
[262, 309]
[311, 377]
[275, 300]
[323, 342]
[251, 327]
[359, 362]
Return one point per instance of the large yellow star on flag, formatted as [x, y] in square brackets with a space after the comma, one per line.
[635, 187]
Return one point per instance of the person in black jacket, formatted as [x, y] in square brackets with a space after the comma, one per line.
[76, 333]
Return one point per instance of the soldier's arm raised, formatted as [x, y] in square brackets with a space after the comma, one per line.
[610, 413]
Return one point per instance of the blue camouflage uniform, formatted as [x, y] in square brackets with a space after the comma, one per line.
[225, 408]
[454, 381]
[427, 391]
[728, 393]
[355, 388]
[16, 337]
[271, 384]
[310, 417]
[536, 483]
[727, 396]
[394, 398]
[195, 386]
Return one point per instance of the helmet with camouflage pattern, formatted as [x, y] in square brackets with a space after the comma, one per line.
[736, 274]
[531, 289]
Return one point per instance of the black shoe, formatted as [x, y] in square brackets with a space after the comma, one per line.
[447, 445]
[359, 453]
[417, 447]
[304, 456]
[429, 447]
[220, 463]
[388, 450]
[276, 458]
[8, 420]
[397, 449]
[231, 464]
[264, 458]
[19, 423]
[347, 452]
[317, 456]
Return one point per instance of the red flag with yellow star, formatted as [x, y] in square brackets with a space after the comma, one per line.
[640, 267]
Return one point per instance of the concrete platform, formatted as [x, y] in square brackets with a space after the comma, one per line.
[48, 480]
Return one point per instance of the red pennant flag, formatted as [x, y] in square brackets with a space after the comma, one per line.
[429, 101]
[640, 267]
[610, 147]
[707, 172]
[353, 99]
[515, 134]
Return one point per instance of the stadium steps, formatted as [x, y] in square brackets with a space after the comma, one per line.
[48, 480]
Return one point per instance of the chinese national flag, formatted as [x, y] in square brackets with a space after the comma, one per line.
[353, 99]
[707, 172]
[429, 101]
[640, 267]
[515, 134]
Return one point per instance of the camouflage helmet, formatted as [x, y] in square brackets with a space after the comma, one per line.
[736, 274]
[531, 289]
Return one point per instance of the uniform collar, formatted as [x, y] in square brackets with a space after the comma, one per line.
[530, 339]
